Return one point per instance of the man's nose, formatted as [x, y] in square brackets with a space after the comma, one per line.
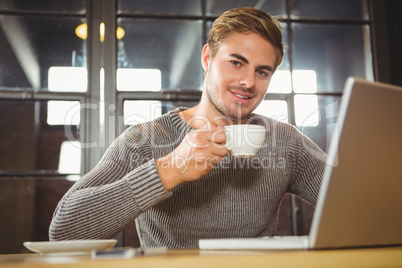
[248, 79]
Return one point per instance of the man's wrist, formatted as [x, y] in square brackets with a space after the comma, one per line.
[167, 173]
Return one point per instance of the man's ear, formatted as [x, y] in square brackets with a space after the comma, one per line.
[205, 58]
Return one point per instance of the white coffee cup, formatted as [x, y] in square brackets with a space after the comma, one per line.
[244, 140]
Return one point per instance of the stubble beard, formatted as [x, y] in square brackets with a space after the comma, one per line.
[215, 102]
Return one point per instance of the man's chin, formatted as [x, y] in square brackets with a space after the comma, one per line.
[237, 115]
[232, 112]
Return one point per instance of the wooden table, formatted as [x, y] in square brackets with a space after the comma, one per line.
[369, 257]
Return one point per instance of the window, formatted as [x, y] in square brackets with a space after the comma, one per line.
[43, 81]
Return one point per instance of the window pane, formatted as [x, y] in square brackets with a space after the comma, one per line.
[333, 52]
[275, 109]
[217, 7]
[130, 79]
[155, 7]
[63, 79]
[70, 158]
[29, 143]
[324, 9]
[306, 109]
[304, 81]
[73, 6]
[31, 45]
[171, 46]
[63, 113]
[280, 82]
[327, 112]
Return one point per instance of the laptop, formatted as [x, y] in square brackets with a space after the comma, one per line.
[360, 200]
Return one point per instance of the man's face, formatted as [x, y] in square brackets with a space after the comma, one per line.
[237, 77]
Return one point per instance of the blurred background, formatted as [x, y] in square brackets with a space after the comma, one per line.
[75, 73]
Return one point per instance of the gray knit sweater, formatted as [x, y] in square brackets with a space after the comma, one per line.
[238, 198]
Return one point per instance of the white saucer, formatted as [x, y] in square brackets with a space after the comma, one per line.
[69, 246]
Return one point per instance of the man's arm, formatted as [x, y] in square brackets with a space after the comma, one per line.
[307, 164]
[110, 196]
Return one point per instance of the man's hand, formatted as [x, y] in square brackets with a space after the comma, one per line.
[199, 152]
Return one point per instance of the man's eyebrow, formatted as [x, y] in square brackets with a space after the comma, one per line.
[243, 59]
[266, 67]
[239, 57]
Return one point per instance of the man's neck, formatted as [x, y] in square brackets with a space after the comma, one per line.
[195, 117]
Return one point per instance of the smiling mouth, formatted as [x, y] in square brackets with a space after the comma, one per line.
[242, 97]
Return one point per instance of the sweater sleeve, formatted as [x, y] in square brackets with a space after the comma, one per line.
[122, 186]
[307, 165]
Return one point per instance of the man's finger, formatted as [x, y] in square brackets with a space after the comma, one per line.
[218, 136]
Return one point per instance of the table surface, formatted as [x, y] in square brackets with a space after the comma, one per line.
[368, 257]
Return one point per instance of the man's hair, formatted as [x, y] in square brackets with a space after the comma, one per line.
[247, 20]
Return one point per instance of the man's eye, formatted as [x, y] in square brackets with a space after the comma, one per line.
[262, 73]
[235, 63]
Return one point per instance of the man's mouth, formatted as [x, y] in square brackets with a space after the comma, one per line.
[242, 97]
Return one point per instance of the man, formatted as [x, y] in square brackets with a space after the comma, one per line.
[174, 175]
